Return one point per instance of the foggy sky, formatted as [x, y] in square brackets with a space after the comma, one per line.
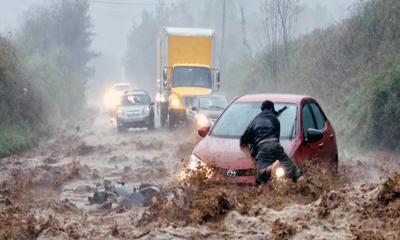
[111, 22]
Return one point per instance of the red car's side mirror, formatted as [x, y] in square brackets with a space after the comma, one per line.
[314, 135]
[203, 131]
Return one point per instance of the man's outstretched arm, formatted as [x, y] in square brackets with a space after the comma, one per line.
[246, 138]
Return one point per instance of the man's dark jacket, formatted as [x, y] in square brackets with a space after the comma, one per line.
[264, 126]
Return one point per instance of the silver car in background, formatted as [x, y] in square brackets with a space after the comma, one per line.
[135, 111]
[206, 110]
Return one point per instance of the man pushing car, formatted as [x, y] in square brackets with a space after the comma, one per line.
[261, 138]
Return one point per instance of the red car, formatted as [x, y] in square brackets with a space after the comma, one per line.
[306, 134]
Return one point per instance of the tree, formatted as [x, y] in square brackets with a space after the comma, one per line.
[55, 43]
[271, 35]
[141, 56]
[278, 27]
[287, 12]
[246, 45]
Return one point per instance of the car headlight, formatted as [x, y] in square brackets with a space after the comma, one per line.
[112, 99]
[202, 120]
[280, 172]
[175, 103]
[194, 163]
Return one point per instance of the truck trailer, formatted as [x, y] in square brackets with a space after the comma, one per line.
[185, 70]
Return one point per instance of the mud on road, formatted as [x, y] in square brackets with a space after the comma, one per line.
[44, 193]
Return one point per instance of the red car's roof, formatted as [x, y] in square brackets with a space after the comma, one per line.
[288, 98]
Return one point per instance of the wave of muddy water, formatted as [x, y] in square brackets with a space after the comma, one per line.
[43, 193]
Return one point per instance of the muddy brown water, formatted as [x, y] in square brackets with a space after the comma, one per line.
[44, 193]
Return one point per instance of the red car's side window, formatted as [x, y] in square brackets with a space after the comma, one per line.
[308, 119]
[319, 117]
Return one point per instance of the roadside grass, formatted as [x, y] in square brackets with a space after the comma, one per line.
[15, 139]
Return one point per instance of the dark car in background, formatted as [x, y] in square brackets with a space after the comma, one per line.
[205, 110]
[306, 134]
[135, 111]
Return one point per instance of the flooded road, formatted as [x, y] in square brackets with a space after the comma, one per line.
[44, 193]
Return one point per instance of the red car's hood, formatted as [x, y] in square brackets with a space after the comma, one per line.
[225, 153]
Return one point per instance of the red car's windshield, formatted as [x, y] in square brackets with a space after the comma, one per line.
[238, 116]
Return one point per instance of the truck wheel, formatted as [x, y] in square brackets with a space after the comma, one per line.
[171, 121]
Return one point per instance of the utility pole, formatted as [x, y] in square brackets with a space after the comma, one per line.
[221, 57]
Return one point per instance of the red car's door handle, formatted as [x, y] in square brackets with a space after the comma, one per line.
[332, 136]
[321, 145]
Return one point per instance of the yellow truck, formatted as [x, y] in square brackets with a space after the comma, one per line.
[185, 70]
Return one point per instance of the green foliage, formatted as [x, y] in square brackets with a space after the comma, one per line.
[12, 140]
[13, 103]
[43, 72]
[247, 69]
[15, 138]
[383, 97]
[141, 55]
[16, 102]
[350, 67]
[55, 41]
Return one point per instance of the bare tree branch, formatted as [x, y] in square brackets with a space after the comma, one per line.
[278, 28]
[244, 32]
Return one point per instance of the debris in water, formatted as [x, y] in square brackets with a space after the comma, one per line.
[390, 190]
[329, 201]
[107, 205]
[135, 199]
[122, 189]
[282, 230]
[125, 194]
[150, 192]
[100, 197]
[212, 205]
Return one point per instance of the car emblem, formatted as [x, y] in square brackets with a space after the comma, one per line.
[231, 173]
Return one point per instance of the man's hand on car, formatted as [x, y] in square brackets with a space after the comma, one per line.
[244, 148]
